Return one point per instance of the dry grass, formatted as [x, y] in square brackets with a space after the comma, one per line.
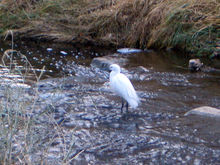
[25, 135]
[191, 26]
[188, 25]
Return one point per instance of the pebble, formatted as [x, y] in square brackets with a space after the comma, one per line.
[49, 49]
[63, 52]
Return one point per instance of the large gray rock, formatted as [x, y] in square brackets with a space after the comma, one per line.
[205, 111]
[102, 62]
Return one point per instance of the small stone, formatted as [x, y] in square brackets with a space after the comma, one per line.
[69, 124]
[143, 69]
[49, 49]
[63, 52]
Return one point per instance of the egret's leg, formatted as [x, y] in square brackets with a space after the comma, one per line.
[127, 107]
[122, 105]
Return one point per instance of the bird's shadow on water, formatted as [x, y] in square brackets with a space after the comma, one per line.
[128, 116]
[126, 121]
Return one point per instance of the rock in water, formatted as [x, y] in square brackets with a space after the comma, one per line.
[128, 50]
[205, 111]
[195, 65]
[63, 52]
[49, 49]
[102, 63]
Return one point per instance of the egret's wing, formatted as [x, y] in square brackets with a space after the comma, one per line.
[123, 87]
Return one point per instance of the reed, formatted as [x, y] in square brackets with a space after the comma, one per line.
[27, 132]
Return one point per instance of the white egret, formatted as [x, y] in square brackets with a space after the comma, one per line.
[122, 86]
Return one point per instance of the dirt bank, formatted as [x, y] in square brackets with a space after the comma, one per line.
[192, 26]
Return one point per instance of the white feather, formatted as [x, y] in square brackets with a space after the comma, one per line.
[122, 86]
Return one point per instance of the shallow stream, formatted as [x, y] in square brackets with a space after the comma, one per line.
[157, 132]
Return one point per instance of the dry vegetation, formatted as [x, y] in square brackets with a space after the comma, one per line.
[27, 131]
[189, 25]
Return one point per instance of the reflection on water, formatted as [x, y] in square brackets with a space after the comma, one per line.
[54, 56]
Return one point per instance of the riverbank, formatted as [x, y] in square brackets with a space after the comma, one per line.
[189, 26]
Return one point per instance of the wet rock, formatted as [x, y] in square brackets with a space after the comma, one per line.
[69, 124]
[139, 73]
[57, 141]
[49, 49]
[58, 116]
[60, 110]
[63, 52]
[142, 69]
[148, 50]
[205, 111]
[195, 64]
[102, 62]
[129, 50]
[53, 97]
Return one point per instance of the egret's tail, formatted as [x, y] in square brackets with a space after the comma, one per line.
[133, 102]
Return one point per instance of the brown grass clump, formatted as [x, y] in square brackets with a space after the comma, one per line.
[191, 26]
[188, 25]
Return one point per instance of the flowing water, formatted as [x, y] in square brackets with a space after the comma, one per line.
[157, 132]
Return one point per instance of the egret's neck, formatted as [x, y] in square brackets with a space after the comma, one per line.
[114, 72]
